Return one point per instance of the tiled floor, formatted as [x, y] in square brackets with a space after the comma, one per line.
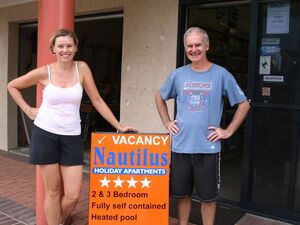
[249, 219]
[6, 219]
[17, 196]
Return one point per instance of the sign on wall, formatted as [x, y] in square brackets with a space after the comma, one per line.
[129, 179]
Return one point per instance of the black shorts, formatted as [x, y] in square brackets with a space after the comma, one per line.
[195, 170]
[49, 148]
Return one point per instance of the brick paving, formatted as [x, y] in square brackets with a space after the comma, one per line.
[7, 220]
[17, 193]
[17, 196]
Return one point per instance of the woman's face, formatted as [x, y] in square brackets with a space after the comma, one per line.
[64, 48]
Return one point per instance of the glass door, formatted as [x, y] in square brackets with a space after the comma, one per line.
[275, 174]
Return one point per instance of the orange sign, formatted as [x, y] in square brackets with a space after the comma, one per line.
[129, 179]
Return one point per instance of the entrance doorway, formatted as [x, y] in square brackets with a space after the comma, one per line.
[260, 167]
[228, 27]
[100, 46]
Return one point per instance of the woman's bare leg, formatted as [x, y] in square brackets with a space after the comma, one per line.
[72, 182]
[52, 181]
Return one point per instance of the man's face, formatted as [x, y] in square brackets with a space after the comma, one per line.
[195, 47]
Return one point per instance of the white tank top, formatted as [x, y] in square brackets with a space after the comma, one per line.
[59, 111]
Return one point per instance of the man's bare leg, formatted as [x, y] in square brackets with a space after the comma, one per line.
[184, 209]
[208, 211]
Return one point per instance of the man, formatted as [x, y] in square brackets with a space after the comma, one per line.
[199, 88]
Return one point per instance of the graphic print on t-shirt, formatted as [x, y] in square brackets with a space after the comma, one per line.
[195, 96]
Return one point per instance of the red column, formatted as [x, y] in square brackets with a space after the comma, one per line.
[52, 15]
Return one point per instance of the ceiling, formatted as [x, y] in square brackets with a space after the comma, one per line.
[5, 3]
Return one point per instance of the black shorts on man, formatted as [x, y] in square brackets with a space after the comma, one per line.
[195, 170]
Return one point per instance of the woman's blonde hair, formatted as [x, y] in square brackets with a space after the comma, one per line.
[62, 33]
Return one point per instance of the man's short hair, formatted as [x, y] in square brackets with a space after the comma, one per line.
[196, 30]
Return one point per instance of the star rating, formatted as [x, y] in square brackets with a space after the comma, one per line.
[145, 182]
[118, 182]
[132, 183]
[104, 182]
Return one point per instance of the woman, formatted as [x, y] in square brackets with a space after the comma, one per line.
[56, 143]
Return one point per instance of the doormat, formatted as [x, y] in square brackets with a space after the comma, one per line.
[224, 216]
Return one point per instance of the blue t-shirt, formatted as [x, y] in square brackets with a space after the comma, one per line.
[199, 99]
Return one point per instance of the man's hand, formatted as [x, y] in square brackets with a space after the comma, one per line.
[217, 134]
[172, 127]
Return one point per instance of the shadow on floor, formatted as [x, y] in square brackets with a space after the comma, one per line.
[224, 216]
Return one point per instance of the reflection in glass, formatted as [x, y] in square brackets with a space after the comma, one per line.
[271, 156]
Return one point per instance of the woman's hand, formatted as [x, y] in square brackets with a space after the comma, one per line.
[32, 112]
[127, 129]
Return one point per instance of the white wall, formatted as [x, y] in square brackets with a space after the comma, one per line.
[3, 78]
[149, 54]
[9, 19]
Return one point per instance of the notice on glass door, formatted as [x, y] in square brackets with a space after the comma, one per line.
[270, 56]
[264, 64]
[278, 17]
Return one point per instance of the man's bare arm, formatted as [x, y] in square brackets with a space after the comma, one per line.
[162, 109]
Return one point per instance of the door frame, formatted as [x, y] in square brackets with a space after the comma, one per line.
[183, 8]
[247, 173]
